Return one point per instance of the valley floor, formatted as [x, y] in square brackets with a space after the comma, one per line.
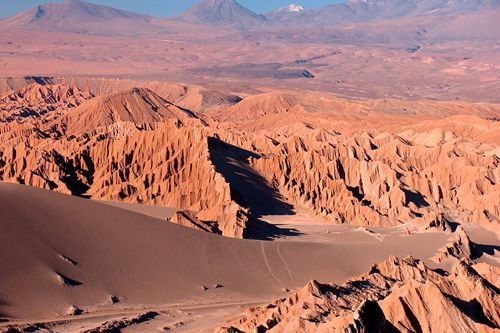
[249, 273]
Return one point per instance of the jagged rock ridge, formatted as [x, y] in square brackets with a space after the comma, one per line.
[135, 146]
[398, 295]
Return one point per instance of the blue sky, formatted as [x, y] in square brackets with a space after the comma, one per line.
[161, 8]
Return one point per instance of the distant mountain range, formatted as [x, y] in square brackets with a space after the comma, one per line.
[230, 12]
[79, 16]
[356, 11]
[70, 10]
[413, 18]
[222, 12]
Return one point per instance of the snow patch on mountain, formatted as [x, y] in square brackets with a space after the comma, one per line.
[292, 8]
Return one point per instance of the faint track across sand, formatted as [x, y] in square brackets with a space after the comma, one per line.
[268, 265]
[284, 262]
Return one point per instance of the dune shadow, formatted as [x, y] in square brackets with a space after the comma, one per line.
[248, 188]
[4, 316]
[260, 230]
[67, 281]
[481, 249]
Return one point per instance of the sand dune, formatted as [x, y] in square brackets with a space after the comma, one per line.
[66, 251]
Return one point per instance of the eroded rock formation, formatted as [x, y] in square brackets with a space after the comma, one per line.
[459, 247]
[261, 156]
[190, 219]
[398, 295]
[35, 100]
[384, 179]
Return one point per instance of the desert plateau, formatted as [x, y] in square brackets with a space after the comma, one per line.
[252, 166]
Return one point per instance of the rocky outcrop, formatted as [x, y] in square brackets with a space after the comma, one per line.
[459, 247]
[398, 295]
[190, 220]
[137, 105]
[166, 164]
[262, 156]
[130, 146]
[383, 179]
[253, 107]
[33, 101]
[439, 222]
[489, 273]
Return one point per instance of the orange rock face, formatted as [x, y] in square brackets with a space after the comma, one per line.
[136, 105]
[190, 220]
[384, 179]
[35, 101]
[131, 146]
[458, 247]
[398, 295]
[345, 160]
[166, 163]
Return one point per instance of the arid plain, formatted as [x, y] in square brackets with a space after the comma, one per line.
[331, 170]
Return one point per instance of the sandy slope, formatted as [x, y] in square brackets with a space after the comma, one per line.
[397, 295]
[158, 212]
[144, 261]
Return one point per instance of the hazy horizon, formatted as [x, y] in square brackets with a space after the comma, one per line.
[165, 8]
